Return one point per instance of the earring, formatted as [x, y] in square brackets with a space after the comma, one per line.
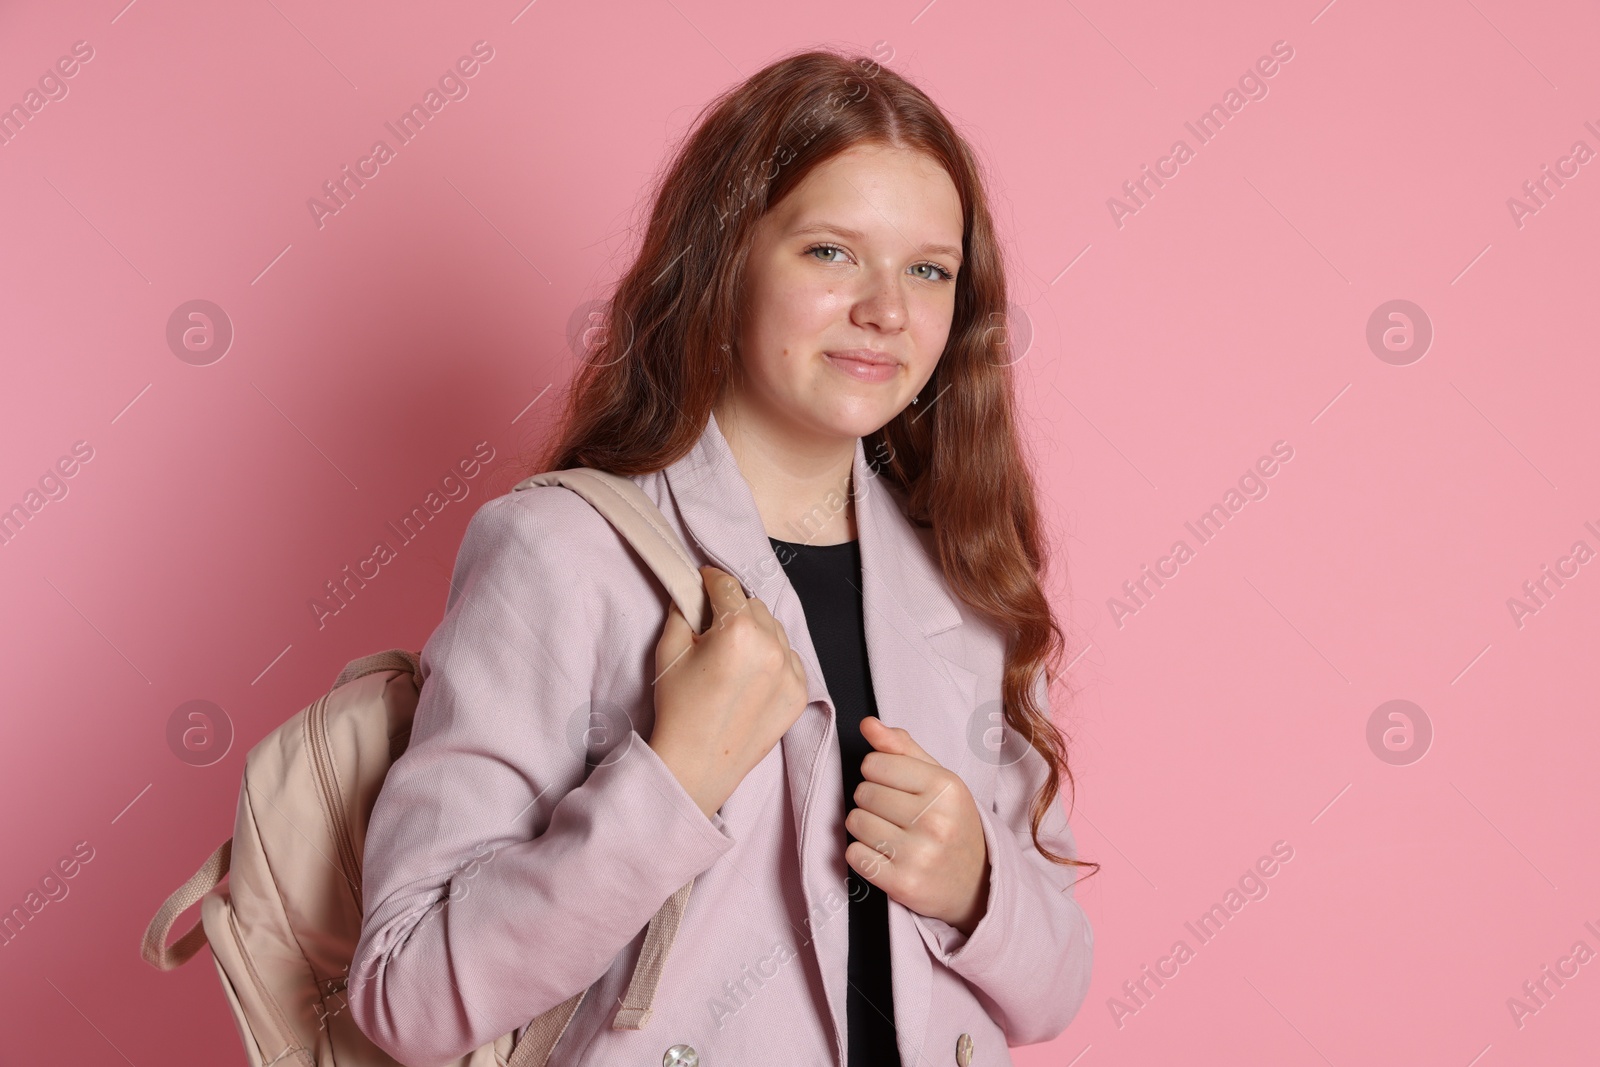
[913, 400]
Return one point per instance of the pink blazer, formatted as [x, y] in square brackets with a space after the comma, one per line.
[503, 873]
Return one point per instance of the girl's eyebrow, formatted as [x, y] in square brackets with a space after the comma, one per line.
[819, 228]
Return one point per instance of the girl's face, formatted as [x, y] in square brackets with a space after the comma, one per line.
[859, 259]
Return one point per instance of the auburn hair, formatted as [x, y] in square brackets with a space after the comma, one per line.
[666, 341]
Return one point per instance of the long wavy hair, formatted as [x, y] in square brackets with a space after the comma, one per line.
[665, 343]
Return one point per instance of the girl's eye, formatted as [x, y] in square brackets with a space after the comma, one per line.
[825, 248]
[941, 274]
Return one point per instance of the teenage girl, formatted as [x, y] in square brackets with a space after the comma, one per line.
[852, 771]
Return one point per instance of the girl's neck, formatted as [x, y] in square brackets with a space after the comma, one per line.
[800, 482]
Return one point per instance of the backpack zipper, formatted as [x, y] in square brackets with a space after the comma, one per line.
[327, 781]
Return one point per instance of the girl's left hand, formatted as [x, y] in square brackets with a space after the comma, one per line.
[918, 835]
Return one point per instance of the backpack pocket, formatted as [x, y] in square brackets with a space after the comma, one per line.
[252, 1050]
[268, 1038]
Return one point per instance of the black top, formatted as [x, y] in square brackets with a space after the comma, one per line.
[828, 581]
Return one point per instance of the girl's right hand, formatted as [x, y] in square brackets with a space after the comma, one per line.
[723, 698]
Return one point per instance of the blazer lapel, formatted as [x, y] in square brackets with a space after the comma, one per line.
[915, 686]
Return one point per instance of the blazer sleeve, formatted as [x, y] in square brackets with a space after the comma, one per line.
[501, 873]
[1029, 957]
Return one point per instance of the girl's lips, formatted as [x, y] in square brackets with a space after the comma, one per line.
[861, 370]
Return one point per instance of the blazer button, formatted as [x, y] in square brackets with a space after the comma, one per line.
[681, 1056]
[963, 1050]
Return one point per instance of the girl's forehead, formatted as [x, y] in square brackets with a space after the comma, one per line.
[891, 192]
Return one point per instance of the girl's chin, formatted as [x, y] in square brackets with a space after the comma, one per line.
[858, 419]
[839, 413]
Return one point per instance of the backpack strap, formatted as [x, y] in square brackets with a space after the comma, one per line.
[155, 949]
[641, 523]
[539, 1037]
[635, 1010]
[395, 659]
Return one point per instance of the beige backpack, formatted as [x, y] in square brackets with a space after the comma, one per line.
[284, 927]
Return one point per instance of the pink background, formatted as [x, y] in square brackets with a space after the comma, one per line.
[1168, 354]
